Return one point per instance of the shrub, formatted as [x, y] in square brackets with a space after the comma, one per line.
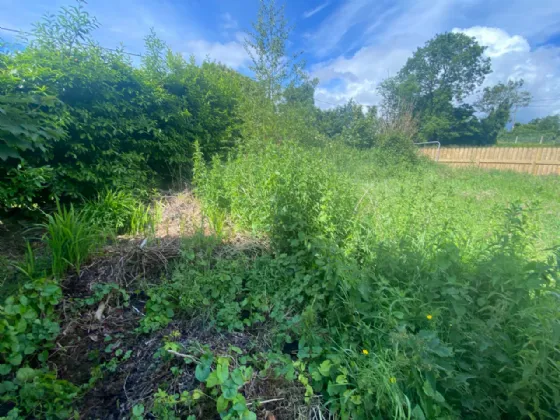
[78, 119]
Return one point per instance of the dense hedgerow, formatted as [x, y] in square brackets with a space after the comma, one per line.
[78, 119]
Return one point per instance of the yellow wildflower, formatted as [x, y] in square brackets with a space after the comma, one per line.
[365, 351]
[393, 380]
[429, 316]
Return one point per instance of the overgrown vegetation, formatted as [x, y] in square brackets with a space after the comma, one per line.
[328, 270]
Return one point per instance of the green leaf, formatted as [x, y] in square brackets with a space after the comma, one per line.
[248, 415]
[222, 370]
[221, 404]
[325, 368]
[138, 410]
[417, 413]
[237, 377]
[202, 372]
[212, 380]
[398, 314]
[26, 374]
[341, 380]
[236, 349]
[229, 390]
[7, 386]
[16, 359]
[240, 404]
[5, 369]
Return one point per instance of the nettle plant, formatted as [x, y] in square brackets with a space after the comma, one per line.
[225, 385]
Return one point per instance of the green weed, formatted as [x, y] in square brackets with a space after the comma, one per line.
[407, 295]
[70, 238]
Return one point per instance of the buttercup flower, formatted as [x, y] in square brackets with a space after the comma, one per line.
[364, 351]
[393, 380]
[429, 317]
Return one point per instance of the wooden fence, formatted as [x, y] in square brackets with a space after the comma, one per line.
[533, 160]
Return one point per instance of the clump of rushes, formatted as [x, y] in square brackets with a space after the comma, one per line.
[70, 238]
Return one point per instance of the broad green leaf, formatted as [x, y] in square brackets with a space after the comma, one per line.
[417, 413]
[325, 368]
[16, 359]
[237, 377]
[26, 374]
[229, 389]
[222, 370]
[212, 380]
[222, 404]
[201, 372]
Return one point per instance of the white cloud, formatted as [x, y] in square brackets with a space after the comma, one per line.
[497, 41]
[311, 12]
[231, 53]
[228, 22]
[387, 37]
[513, 59]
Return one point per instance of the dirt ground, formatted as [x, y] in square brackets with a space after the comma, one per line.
[103, 331]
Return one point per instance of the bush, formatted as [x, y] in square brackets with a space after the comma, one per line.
[78, 119]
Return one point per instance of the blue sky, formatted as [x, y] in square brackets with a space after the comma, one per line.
[350, 45]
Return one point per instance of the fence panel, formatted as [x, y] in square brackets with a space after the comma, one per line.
[533, 160]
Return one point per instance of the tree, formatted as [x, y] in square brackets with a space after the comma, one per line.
[154, 59]
[349, 124]
[76, 118]
[450, 62]
[280, 81]
[266, 45]
[508, 96]
[442, 73]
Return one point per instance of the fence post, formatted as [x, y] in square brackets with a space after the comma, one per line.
[478, 152]
[537, 156]
[541, 140]
[516, 137]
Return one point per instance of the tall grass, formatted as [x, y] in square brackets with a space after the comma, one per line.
[413, 291]
[70, 237]
[119, 212]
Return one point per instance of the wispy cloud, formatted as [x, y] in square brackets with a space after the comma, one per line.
[311, 12]
[228, 22]
[231, 53]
